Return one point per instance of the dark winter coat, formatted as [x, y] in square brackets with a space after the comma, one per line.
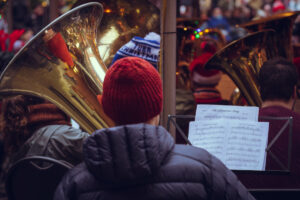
[142, 162]
[61, 142]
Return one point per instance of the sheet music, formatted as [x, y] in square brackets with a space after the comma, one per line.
[208, 135]
[240, 145]
[209, 112]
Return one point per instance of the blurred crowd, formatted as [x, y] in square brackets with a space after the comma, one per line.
[28, 18]
[227, 14]
[238, 11]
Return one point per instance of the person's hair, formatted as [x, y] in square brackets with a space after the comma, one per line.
[14, 121]
[277, 79]
[22, 115]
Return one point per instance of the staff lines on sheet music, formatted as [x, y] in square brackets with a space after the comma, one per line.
[241, 148]
[241, 160]
[210, 117]
[252, 155]
[249, 139]
[246, 143]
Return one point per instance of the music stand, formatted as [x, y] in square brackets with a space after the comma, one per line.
[260, 194]
[287, 124]
[171, 120]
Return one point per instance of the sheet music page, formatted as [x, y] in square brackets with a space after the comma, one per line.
[209, 112]
[246, 144]
[209, 135]
[240, 145]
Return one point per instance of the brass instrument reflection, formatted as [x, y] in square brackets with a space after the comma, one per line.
[242, 60]
[282, 24]
[122, 21]
[62, 64]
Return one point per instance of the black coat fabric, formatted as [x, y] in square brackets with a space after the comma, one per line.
[141, 161]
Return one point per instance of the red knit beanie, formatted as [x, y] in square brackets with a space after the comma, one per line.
[203, 76]
[132, 91]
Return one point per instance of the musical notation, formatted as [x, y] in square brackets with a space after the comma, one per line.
[210, 112]
[240, 145]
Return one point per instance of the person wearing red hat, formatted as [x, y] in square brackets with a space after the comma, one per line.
[138, 159]
[204, 81]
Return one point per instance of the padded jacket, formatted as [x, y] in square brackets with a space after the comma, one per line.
[61, 142]
[141, 161]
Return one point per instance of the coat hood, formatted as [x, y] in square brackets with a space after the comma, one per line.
[127, 154]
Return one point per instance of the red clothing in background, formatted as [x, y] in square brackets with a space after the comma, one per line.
[280, 149]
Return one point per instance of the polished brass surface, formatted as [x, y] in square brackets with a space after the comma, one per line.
[122, 20]
[241, 61]
[236, 98]
[283, 24]
[36, 70]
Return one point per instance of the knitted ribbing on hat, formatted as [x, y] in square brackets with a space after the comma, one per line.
[132, 91]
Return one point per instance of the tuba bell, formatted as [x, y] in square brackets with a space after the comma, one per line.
[72, 81]
[244, 70]
[241, 61]
[282, 24]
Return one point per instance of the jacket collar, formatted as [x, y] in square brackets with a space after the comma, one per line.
[127, 154]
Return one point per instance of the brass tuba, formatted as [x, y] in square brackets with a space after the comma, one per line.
[282, 24]
[244, 69]
[72, 84]
[242, 59]
[73, 81]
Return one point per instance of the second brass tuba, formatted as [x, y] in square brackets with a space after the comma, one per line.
[282, 24]
[68, 72]
[241, 61]
[245, 56]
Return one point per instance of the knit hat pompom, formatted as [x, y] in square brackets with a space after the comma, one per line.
[152, 36]
[132, 91]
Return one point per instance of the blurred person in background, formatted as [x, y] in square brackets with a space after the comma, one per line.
[268, 9]
[278, 79]
[294, 5]
[204, 81]
[217, 20]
